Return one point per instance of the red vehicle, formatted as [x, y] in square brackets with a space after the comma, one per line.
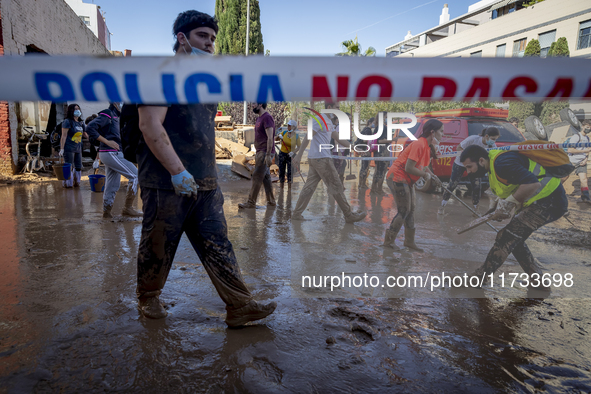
[458, 125]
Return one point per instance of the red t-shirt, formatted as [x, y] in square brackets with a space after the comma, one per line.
[417, 151]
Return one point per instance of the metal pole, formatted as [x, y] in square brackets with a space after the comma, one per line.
[247, 39]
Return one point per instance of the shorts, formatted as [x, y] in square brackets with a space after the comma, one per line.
[581, 169]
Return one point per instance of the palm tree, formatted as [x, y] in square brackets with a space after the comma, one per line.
[353, 48]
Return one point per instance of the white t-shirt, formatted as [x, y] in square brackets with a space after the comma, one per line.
[577, 158]
[472, 140]
[321, 137]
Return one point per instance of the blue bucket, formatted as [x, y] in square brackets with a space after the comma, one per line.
[97, 183]
[63, 171]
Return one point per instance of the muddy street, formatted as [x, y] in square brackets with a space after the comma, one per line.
[69, 320]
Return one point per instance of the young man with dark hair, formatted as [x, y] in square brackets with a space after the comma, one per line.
[522, 185]
[180, 193]
[264, 133]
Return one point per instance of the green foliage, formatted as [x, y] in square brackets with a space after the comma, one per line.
[353, 48]
[533, 48]
[522, 109]
[548, 111]
[559, 48]
[532, 2]
[231, 38]
[279, 112]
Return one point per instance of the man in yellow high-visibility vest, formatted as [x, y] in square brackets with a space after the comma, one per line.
[522, 185]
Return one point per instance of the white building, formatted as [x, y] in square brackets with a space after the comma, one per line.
[93, 19]
[502, 28]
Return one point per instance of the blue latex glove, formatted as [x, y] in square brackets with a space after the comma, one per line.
[184, 184]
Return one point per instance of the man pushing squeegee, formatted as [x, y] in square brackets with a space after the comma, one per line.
[527, 182]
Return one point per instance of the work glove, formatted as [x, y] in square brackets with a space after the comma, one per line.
[184, 184]
[505, 208]
[61, 153]
[96, 164]
[268, 160]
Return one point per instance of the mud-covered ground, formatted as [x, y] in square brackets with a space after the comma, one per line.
[69, 323]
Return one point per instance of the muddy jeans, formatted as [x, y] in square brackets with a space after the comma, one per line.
[380, 171]
[166, 217]
[261, 177]
[115, 166]
[284, 161]
[340, 165]
[456, 174]
[322, 170]
[404, 196]
[511, 239]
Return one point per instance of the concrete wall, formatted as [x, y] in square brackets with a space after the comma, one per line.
[564, 16]
[85, 9]
[50, 26]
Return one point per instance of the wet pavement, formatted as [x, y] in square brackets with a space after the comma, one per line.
[69, 321]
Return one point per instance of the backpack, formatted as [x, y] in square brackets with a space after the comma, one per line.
[55, 136]
[555, 161]
[129, 126]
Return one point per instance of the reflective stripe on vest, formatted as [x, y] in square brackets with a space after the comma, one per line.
[548, 183]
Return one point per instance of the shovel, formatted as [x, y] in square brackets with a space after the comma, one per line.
[475, 223]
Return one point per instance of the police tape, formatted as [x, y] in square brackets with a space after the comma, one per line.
[197, 79]
[518, 148]
[505, 148]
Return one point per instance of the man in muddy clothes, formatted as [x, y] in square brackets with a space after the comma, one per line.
[180, 193]
[522, 185]
[264, 133]
[322, 168]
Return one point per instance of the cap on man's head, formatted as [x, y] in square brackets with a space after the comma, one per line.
[292, 123]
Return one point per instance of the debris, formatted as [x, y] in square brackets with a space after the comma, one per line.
[331, 341]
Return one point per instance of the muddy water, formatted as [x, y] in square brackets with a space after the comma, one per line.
[68, 317]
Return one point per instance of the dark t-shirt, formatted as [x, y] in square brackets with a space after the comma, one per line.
[74, 139]
[191, 130]
[514, 167]
[260, 135]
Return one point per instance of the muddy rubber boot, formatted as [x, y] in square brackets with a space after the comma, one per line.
[128, 208]
[151, 307]
[409, 239]
[390, 240]
[77, 178]
[236, 317]
[355, 217]
[107, 212]
[584, 197]
[441, 210]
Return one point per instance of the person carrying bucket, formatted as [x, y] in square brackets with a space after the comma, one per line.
[105, 129]
[71, 144]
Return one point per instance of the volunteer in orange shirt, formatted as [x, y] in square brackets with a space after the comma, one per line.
[411, 165]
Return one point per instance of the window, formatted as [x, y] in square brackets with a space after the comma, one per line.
[546, 39]
[584, 35]
[501, 50]
[519, 47]
[476, 54]
[85, 19]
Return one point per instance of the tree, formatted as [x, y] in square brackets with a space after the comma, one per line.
[533, 48]
[231, 38]
[559, 48]
[353, 48]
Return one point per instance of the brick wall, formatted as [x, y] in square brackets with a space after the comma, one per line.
[49, 25]
[6, 165]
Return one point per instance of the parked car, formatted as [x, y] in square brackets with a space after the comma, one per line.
[458, 125]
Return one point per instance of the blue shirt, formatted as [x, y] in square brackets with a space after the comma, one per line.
[74, 138]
